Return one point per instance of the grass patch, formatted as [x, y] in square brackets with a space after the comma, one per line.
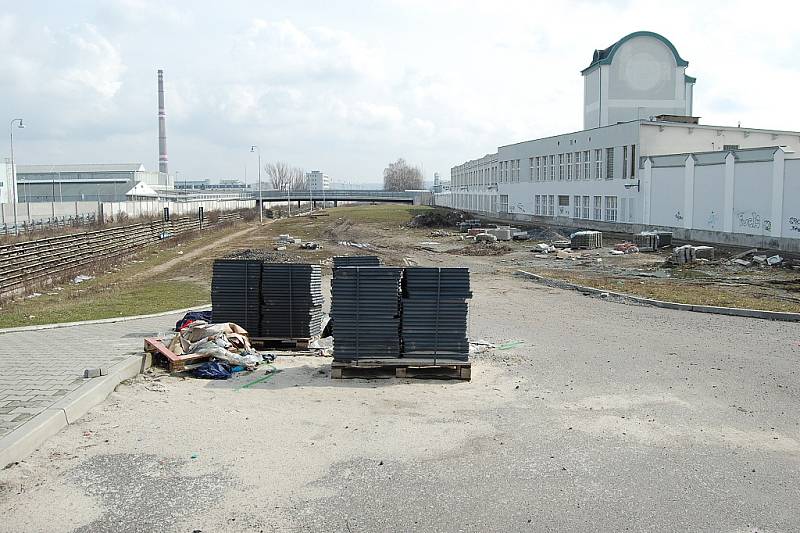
[113, 292]
[106, 302]
[685, 293]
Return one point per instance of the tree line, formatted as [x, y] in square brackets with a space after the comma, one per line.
[398, 176]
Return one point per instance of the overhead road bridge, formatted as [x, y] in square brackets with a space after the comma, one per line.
[343, 195]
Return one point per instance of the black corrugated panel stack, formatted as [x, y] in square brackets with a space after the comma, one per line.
[434, 323]
[291, 298]
[236, 293]
[365, 309]
[341, 261]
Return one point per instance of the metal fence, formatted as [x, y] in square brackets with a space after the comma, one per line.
[49, 223]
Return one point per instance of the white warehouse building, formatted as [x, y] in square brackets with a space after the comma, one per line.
[644, 162]
[317, 181]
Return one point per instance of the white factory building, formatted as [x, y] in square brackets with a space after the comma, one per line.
[317, 181]
[644, 161]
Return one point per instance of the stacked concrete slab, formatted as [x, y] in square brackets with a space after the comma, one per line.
[236, 293]
[434, 313]
[291, 300]
[365, 310]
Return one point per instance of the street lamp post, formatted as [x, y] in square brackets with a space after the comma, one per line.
[14, 169]
[255, 148]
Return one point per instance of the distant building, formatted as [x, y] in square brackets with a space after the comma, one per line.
[5, 182]
[643, 161]
[317, 180]
[94, 182]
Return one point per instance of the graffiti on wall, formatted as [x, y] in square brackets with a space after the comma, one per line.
[711, 221]
[678, 215]
[753, 220]
[794, 224]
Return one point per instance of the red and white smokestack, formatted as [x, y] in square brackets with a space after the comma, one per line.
[162, 126]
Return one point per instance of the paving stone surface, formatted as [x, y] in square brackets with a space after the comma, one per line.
[38, 368]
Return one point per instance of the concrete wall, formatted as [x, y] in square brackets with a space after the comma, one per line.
[742, 197]
[39, 211]
[659, 138]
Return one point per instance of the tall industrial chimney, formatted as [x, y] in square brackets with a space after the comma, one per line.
[162, 126]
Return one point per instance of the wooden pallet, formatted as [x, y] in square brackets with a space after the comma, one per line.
[281, 343]
[403, 368]
[166, 357]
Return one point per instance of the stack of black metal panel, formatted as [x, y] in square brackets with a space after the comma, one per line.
[291, 300]
[355, 261]
[434, 323]
[236, 293]
[365, 309]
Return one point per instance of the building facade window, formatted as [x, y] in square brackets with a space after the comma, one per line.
[587, 165]
[576, 207]
[551, 210]
[560, 167]
[577, 165]
[585, 208]
[634, 163]
[598, 164]
[611, 208]
[569, 165]
[538, 168]
[531, 175]
[597, 213]
[504, 203]
[552, 168]
[537, 206]
[609, 163]
[624, 162]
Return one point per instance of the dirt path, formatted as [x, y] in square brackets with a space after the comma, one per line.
[163, 267]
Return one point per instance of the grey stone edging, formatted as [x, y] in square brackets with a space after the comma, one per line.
[21, 442]
[102, 320]
[732, 311]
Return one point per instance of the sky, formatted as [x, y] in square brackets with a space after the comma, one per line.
[347, 87]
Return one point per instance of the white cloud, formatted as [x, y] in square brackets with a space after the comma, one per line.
[347, 88]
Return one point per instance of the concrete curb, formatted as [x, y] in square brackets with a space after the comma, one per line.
[102, 320]
[731, 311]
[32, 434]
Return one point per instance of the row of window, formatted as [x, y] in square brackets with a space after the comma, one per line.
[600, 207]
[583, 165]
[598, 163]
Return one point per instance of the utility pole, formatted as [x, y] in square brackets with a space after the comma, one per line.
[14, 169]
[255, 148]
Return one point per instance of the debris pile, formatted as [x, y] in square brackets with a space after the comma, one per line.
[482, 248]
[221, 348]
[625, 248]
[437, 218]
[752, 258]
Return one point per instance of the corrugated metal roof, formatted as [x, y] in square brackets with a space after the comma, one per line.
[101, 167]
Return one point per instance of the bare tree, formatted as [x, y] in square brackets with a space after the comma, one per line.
[400, 176]
[298, 179]
[282, 175]
[279, 174]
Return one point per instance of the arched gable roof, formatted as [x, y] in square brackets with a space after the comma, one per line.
[604, 57]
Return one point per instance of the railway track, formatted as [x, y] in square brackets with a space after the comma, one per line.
[28, 264]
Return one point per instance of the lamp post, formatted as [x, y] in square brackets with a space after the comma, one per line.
[255, 148]
[14, 169]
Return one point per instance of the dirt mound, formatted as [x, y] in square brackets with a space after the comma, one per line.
[545, 234]
[437, 218]
[485, 248]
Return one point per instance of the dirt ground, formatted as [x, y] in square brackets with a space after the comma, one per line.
[606, 417]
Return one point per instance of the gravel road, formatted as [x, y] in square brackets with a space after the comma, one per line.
[607, 417]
